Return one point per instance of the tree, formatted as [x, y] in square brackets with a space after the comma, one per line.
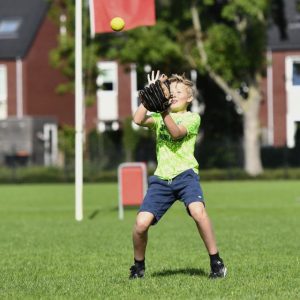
[225, 39]
[130, 139]
[232, 53]
[62, 12]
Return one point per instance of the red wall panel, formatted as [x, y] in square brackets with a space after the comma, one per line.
[41, 80]
[124, 91]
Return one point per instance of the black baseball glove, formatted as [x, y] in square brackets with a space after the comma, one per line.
[156, 96]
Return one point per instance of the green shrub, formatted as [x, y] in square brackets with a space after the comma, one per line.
[94, 174]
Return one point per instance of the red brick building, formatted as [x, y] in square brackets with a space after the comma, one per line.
[28, 83]
[280, 111]
[28, 97]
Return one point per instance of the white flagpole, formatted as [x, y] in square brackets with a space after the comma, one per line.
[78, 112]
[92, 17]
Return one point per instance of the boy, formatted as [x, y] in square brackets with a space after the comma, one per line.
[176, 174]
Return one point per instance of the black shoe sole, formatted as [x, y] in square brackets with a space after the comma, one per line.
[219, 276]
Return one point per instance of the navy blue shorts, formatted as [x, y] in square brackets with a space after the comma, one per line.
[161, 194]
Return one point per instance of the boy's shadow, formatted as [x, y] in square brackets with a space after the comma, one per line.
[95, 213]
[186, 271]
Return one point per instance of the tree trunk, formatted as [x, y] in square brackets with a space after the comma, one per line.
[128, 155]
[249, 107]
[252, 158]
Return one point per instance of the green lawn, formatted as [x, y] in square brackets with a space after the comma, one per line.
[46, 254]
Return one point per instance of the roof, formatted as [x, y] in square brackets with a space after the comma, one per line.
[19, 23]
[286, 36]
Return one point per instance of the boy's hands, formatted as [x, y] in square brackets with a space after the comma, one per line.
[153, 77]
[156, 96]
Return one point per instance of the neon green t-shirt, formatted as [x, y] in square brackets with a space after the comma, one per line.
[175, 156]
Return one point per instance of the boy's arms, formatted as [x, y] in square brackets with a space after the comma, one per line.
[140, 117]
[176, 131]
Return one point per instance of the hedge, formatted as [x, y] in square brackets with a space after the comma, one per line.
[60, 175]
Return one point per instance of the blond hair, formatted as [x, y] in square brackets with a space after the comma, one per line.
[182, 79]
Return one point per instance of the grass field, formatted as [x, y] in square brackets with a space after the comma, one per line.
[46, 254]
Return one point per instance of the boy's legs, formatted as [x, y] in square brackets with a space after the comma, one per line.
[140, 234]
[199, 214]
[157, 201]
[140, 237]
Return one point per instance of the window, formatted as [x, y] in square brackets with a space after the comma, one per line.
[296, 73]
[9, 28]
[297, 135]
[3, 92]
[3, 84]
[106, 81]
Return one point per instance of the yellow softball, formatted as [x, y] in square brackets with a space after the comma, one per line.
[117, 24]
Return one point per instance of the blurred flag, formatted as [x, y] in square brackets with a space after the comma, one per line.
[134, 12]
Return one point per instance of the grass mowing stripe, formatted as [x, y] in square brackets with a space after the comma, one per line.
[46, 254]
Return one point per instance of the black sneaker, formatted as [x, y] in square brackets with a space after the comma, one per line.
[136, 272]
[218, 270]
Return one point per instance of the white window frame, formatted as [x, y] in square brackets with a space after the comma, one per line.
[293, 113]
[3, 92]
[107, 112]
[3, 84]
[293, 63]
[50, 144]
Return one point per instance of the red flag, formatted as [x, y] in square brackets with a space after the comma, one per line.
[134, 12]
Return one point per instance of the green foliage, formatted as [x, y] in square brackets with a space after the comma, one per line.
[66, 143]
[250, 9]
[94, 145]
[130, 138]
[103, 150]
[298, 5]
[63, 56]
[155, 46]
[94, 172]
[225, 52]
[234, 34]
[65, 88]
[235, 39]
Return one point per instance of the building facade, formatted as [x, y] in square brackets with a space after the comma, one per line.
[280, 111]
[28, 83]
